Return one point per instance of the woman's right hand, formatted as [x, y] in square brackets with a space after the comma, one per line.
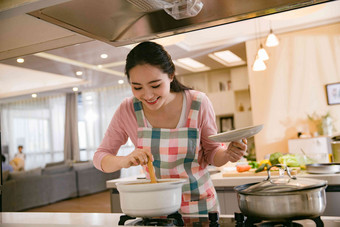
[137, 157]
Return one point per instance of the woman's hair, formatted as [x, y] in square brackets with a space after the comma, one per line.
[153, 54]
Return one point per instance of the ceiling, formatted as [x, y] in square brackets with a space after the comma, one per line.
[67, 52]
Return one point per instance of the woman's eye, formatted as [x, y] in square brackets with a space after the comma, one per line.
[137, 88]
[156, 86]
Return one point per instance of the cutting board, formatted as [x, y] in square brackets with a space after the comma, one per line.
[252, 173]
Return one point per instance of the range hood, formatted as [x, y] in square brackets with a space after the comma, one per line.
[122, 22]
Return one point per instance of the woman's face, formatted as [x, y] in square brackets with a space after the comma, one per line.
[151, 86]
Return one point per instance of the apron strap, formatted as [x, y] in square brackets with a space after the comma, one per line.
[194, 109]
[137, 105]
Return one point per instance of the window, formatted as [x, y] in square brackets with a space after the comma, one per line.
[37, 125]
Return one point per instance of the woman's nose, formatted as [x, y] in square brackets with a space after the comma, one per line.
[148, 93]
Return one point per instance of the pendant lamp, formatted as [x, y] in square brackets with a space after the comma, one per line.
[262, 53]
[259, 64]
[272, 40]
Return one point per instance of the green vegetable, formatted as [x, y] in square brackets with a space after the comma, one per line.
[253, 164]
[262, 167]
[289, 160]
[274, 158]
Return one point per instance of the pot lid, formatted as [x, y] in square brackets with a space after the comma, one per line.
[282, 184]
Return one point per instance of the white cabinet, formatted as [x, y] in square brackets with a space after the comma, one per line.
[228, 90]
[223, 102]
[243, 119]
[239, 78]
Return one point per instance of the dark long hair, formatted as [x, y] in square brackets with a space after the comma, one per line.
[153, 54]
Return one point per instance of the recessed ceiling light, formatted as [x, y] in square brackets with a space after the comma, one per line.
[75, 89]
[20, 60]
[120, 81]
[34, 95]
[103, 55]
[191, 64]
[79, 73]
[227, 58]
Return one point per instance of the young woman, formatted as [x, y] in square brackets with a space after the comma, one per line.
[169, 124]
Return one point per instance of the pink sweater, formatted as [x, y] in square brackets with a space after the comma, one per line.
[124, 125]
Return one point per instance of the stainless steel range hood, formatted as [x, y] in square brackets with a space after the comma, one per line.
[121, 22]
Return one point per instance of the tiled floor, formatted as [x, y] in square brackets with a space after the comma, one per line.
[95, 203]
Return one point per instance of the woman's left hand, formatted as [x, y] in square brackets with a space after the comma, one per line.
[236, 150]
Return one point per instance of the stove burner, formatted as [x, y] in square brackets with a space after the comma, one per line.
[241, 220]
[174, 219]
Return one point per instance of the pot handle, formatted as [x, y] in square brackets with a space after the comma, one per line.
[284, 167]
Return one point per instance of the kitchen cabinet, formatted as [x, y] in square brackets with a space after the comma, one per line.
[243, 119]
[223, 102]
[227, 199]
[228, 90]
[239, 78]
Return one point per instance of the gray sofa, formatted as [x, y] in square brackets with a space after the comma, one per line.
[43, 186]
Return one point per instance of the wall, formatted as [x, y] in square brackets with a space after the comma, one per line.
[293, 85]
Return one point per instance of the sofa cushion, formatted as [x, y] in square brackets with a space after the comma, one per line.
[56, 169]
[23, 174]
[54, 164]
[82, 166]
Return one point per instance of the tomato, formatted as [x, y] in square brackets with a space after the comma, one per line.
[242, 168]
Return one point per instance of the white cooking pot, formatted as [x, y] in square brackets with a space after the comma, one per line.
[140, 198]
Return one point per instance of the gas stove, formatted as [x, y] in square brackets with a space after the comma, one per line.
[236, 220]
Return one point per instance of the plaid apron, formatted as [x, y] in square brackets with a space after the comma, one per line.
[175, 153]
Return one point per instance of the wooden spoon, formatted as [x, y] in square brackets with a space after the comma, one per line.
[151, 172]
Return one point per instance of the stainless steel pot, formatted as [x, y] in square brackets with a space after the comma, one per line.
[323, 168]
[142, 199]
[282, 198]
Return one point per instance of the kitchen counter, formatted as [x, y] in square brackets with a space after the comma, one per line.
[29, 219]
[220, 181]
[228, 198]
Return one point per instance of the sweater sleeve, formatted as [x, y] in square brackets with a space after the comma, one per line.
[119, 130]
[207, 127]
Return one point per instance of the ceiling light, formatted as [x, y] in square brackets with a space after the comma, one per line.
[79, 73]
[99, 66]
[272, 40]
[191, 64]
[75, 89]
[120, 81]
[259, 65]
[34, 96]
[262, 53]
[103, 55]
[227, 58]
[20, 60]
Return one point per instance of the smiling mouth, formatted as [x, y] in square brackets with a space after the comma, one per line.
[152, 101]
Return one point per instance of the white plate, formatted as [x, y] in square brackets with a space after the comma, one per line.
[237, 134]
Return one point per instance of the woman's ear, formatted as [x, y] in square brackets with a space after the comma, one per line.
[172, 77]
